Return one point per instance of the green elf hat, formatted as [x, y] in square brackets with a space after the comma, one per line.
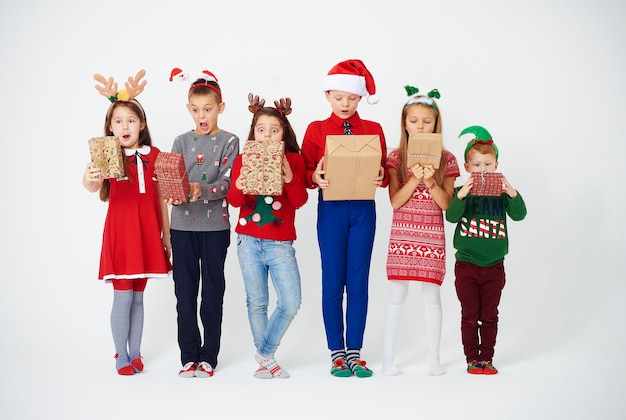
[416, 98]
[482, 137]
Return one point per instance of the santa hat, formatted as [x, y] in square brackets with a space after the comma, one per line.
[353, 77]
[178, 74]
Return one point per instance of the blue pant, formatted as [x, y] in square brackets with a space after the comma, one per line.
[258, 258]
[196, 253]
[345, 232]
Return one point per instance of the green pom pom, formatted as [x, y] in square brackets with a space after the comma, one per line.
[434, 94]
[410, 90]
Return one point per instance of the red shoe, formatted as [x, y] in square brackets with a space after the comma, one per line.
[475, 368]
[137, 364]
[126, 370]
[489, 369]
[188, 370]
[204, 370]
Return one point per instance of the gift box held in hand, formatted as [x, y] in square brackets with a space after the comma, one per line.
[262, 167]
[425, 149]
[352, 164]
[106, 152]
[172, 176]
[488, 183]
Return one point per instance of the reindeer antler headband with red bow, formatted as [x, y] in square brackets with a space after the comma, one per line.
[134, 86]
[282, 105]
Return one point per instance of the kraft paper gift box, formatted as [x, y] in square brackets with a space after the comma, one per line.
[352, 164]
[262, 167]
[488, 183]
[106, 152]
[425, 149]
[172, 177]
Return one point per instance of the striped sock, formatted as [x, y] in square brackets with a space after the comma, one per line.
[351, 356]
[337, 354]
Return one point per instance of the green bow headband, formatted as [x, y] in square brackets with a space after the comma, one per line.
[482, 137]
[421, 99]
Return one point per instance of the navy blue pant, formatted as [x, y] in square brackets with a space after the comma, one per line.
[345, 233]
[199, 255]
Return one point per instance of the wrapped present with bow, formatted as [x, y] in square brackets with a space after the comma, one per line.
[262, 167]
[106, 152]
[425, 149]
[172, 176]
[487, 183]
[352, 164]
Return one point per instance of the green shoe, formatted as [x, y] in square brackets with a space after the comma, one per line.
[360, 370]
[339, 369]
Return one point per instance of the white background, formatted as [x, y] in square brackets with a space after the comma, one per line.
[545, 77]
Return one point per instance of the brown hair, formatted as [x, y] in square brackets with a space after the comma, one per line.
[289, 137]
[144, 135]
[203, 87]
[440, 173]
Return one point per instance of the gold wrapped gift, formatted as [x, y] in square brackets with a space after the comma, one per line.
[106, 152]
[262, 167]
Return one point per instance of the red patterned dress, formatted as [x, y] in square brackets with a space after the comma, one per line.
[417, 242]
[131, 241]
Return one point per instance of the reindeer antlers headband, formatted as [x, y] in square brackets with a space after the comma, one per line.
[134, 86]
[282, 105]
[421, 99]
[181, 76]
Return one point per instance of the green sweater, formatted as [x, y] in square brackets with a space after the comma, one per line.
[481, 236]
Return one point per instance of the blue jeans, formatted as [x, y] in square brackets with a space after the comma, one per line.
[257, 259]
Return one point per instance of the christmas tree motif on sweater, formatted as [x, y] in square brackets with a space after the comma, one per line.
[263, 212]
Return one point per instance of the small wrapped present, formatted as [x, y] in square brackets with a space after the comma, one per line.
[352, 164]
[106, 152]
[487, 183]
[425, 149]
[262, 167]
[172, 176]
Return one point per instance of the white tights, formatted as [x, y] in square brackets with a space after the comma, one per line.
[398, 291]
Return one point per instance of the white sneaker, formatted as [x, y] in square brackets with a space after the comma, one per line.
[188, 370]
[204, 370]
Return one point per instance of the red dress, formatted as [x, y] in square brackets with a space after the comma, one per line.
[131, 241]
[417, 242]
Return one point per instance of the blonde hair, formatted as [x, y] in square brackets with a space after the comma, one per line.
[440, 173]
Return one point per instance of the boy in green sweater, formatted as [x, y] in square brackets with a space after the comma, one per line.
[481, 242]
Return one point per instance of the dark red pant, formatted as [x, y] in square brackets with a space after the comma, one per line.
[479, 290]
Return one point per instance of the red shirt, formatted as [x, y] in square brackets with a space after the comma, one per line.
[314, 141]
[270, 217]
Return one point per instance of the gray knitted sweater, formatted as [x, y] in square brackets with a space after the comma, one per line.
[208, 160]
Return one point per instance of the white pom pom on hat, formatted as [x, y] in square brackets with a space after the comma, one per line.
[353, 77]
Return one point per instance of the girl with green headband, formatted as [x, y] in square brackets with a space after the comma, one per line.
[416, 252]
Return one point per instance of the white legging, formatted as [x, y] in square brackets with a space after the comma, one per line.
[398, 291]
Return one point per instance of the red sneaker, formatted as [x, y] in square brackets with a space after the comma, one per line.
[204, 370]
[189, 370]
[475, 368]
[489, 369]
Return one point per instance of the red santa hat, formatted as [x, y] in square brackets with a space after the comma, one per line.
[353, 77]
[178, 74]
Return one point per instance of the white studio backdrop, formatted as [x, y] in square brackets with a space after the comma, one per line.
[545, 78]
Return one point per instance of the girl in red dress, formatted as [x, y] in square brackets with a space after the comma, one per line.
[135, 243]
[416, 252]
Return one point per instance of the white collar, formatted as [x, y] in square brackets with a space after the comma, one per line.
[143, 150]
